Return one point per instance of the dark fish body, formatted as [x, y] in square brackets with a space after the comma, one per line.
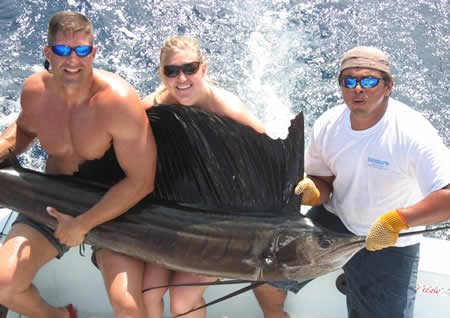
[223, 203]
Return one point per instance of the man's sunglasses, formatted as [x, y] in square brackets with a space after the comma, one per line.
[187, 69]
[365, 82]
[64, 50]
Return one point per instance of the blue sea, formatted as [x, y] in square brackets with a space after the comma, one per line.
[281, 57]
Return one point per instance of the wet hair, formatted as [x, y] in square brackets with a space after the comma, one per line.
[171, 46]
[68, 21]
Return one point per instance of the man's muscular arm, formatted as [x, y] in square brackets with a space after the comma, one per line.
[20, 135]
[325, 186]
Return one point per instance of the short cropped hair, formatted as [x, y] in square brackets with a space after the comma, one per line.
[68, 21]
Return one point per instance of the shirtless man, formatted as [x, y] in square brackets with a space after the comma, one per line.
[77, 113]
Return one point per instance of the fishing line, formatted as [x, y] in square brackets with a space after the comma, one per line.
[6, 223]
[253, 285]
[425, 231]
[412, 233]
[235, 293]
[217, 282]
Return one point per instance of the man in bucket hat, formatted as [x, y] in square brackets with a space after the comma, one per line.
[374, 154]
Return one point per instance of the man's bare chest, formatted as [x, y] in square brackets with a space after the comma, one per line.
[76, 133]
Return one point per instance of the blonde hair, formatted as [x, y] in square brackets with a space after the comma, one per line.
[178, 43]
[171, 46]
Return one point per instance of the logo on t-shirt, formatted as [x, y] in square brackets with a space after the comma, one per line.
[378, 164]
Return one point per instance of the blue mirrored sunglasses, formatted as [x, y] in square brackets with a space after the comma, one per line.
[64, 50]
[365, 82]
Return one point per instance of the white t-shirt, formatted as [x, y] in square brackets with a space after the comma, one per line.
[394, 164]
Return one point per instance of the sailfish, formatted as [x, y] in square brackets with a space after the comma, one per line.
[223, 203]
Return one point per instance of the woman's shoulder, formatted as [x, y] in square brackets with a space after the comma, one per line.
[225, 99]
[160, 96]
[149, 100]
[230, 105]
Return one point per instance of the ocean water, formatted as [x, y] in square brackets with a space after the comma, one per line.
[281, 57]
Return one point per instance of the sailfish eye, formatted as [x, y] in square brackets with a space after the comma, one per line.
[324, 242]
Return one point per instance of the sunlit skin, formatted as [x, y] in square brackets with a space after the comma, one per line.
[77, 113]
[185, 89]
[195, 89]
[189, 90]
[367, 105]
[72, 72]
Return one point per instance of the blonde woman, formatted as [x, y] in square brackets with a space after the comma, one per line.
[184, 82]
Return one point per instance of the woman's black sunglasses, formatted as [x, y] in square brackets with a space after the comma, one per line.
[187, 69]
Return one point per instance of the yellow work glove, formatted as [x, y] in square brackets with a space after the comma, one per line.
[384, 231]
[310, 192]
